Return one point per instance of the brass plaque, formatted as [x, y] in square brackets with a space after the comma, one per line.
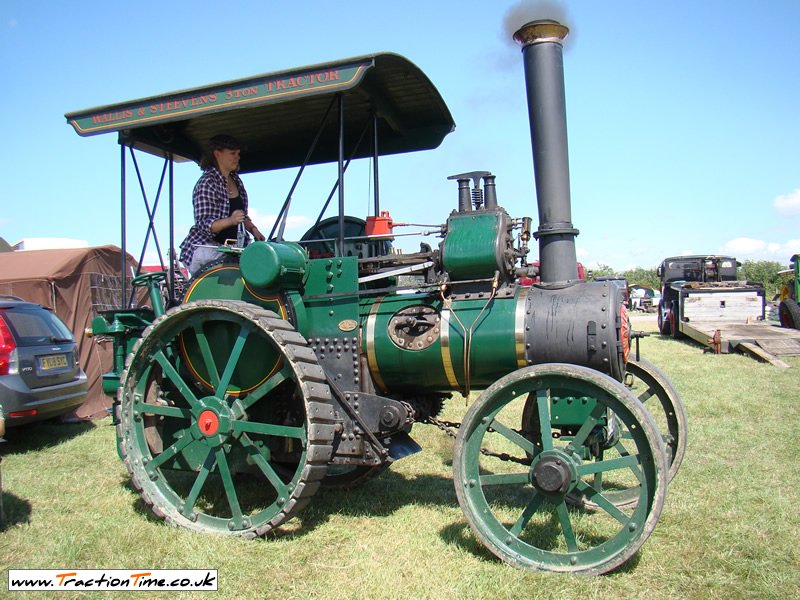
[348, 325]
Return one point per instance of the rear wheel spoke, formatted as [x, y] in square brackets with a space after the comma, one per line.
[205, 352]
[172, 375]
[233, 361]
[263, 390]
[230, 487]
[199, 482]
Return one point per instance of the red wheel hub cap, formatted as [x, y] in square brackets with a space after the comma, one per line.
[208, 422]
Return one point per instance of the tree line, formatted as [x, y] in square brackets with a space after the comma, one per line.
[761, 271]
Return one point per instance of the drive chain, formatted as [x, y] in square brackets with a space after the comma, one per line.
[451, 428]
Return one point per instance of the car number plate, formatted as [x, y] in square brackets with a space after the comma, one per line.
[53, 361]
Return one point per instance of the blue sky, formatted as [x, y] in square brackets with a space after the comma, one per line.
[684, 128]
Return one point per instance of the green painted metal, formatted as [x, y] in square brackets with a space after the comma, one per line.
[273, 264]
[473, 344]
[514, 485]
[329, 307]
[469, 250]
[567, 409]
[225, 282]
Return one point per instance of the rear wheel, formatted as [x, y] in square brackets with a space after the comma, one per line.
[225, 418]
[661, 400]
[513, 485]
[656, 392]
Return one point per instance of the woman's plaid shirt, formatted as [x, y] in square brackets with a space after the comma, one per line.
[210, 200]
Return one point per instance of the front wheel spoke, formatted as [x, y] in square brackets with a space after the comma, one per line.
[526, 515]
[600, 500]
[262, 462]
[298, 433]
[170, 452]
[545, 427]
[266, 388]
[233, 360]
[611, 464]
[199, 482]
[513, 437]
[636, 466]
[588, 426]
[230, 487]
[172, 374]
[566, 527]
[646, 395]
[505, 479]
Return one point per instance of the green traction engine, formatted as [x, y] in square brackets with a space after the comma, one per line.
[291, 366]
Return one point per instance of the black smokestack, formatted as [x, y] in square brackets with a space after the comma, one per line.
[542, 43]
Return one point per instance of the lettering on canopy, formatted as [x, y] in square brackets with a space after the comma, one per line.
[224, 97]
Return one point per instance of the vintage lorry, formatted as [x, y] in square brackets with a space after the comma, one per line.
[705, 288]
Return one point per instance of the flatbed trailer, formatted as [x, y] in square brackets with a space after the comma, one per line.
[702, 299]
[764, 340]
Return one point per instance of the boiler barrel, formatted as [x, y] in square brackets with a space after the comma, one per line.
[417, 343]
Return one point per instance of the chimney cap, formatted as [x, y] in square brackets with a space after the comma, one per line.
[543, 30]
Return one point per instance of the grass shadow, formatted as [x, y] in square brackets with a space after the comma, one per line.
[13, 510]
[379, 497]
[42, 435]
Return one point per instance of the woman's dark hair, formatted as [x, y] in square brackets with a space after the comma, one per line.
[218, 142]
[208, 160]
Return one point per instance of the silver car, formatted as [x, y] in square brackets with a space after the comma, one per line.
[40, 376]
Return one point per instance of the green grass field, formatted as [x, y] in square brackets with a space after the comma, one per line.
[729, 528]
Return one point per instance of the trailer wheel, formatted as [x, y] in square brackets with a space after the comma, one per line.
[673, 321]
[663, 320]
[225, 418]
[789, 313]
[513, 484]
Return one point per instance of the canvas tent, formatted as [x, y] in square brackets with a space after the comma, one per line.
[76, 283]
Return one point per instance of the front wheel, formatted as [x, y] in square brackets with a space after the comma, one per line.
[513, 484]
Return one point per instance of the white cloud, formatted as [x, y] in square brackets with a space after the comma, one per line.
[744, 245]
[745, 248]
[788, 204]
